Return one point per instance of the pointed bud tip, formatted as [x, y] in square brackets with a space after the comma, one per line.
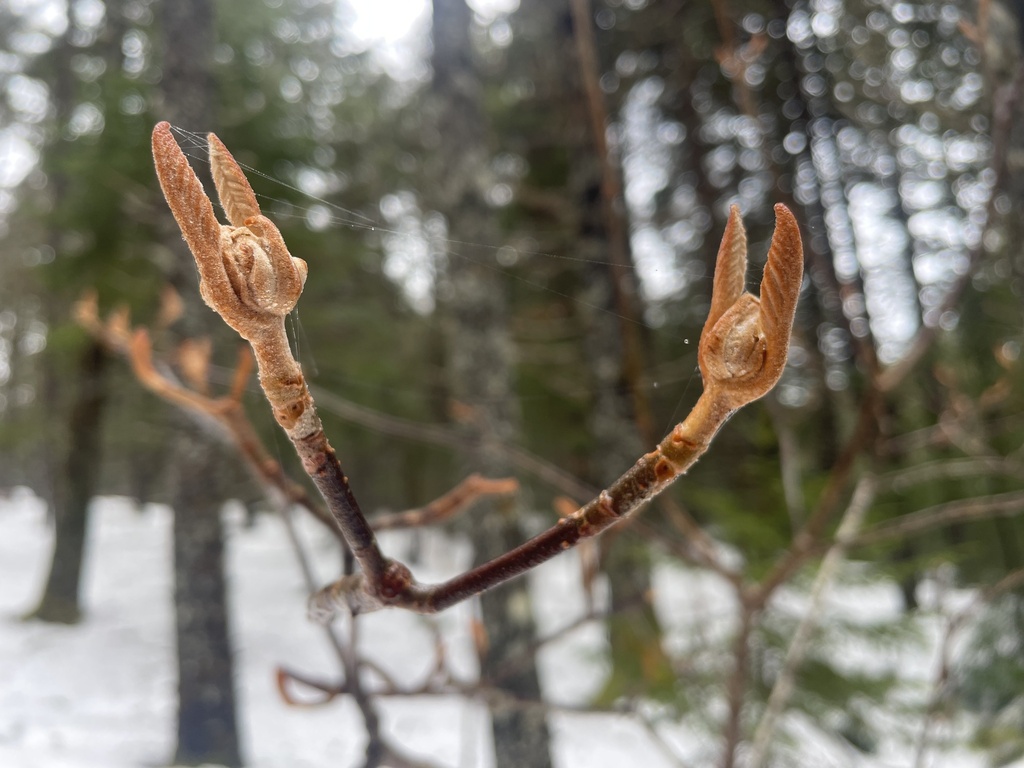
[782, 212]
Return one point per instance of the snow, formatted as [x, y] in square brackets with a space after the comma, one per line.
[101, 694]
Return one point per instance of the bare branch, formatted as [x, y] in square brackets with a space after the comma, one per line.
[945, 469]
[741, 356]
[623, 282]
[1008, 504]
[451, 504]
[785, 683]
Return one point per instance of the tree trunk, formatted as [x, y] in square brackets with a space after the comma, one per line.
[60, 599]
[72, 477]
[207, 729]
[481, 377]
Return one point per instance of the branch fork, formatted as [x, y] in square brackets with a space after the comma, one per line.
[250, 279]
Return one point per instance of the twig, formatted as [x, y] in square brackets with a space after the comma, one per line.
[613, 209]
[493, 696]
[739, 362]
[699, 548]
[116, 333]
[1008, 504]
[229, 413]
[445, 507]
[851, 522]
[659, 741]
[736, 687]
[945, 469]
[808, 540]
[250, 279]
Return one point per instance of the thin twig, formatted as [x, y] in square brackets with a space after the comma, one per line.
[785, 683]
[250, 279]
[808, 540]
[946, 469]
[613, 210]
[1010, 504]
[698, 547]
[445, 507]
[659, 741]
[229, 414]
[736, 687]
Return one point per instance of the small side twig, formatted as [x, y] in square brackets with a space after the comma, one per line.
[445, 507]
[1009, 504]
[117, 335]
[439, 434]
[851, 522]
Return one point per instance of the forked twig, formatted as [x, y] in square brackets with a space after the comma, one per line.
[249, 278]
[229, 414]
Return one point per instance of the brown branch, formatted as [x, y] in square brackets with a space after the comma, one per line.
[285, 676]
[445, 507]
[698, 548]
[785, 683]
[701, 551]
[945, 469]
[613, 210]
[252, 281]
[741, 354]
[808, 540]
[229, 414]
[1009, 504]
[736, 687]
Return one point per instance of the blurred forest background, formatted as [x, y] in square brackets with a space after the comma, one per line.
[510, 224]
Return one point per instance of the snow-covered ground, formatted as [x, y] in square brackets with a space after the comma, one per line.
[101, 694]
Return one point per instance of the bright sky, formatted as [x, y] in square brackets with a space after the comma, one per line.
[397, 29]
[391, 20]
[388, 21]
